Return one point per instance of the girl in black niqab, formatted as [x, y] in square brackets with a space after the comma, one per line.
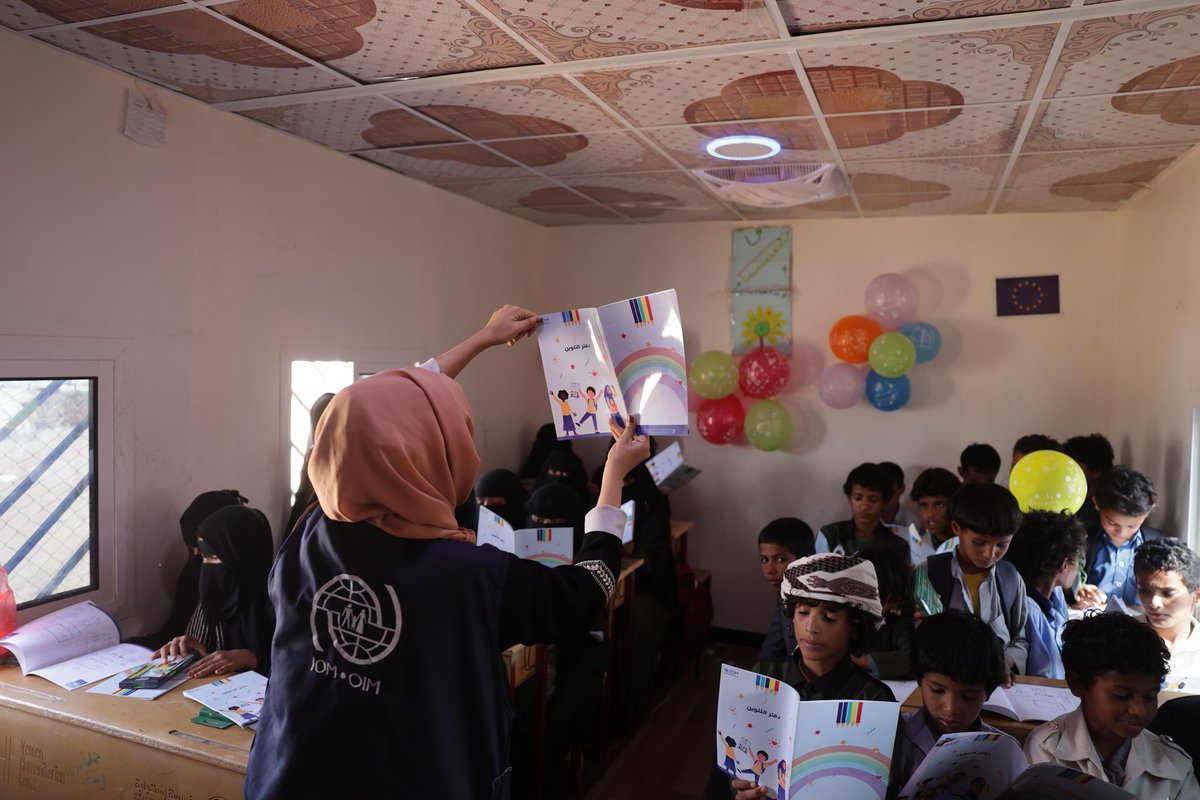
[233, 623]
[499, 490]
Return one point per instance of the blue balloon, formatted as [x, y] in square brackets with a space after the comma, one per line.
[925, 338]
[887, 394]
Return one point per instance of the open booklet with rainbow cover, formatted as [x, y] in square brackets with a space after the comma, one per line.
[550, 546]
[620, 359]
[976, 766]
[796, 748]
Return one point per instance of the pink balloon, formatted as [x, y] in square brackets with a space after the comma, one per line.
[720, 421]
[763, 372]
[891, 300]
[807, 362]
[842, 385]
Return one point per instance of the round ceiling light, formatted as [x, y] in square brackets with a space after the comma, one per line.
[742, 148]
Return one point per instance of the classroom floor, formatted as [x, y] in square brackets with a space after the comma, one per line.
[670, 755]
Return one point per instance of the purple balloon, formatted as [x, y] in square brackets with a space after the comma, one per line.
[842, 385]
[891, 300]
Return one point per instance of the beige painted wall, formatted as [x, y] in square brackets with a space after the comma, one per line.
[216, 256]
[1154, 365]
[237, 246]
[996, 379]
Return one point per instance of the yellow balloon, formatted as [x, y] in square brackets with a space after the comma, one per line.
[1047, 480]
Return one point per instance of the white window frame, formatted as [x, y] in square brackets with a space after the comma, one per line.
[109, 361]
[363, 360]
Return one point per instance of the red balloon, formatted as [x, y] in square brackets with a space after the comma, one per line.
[763, 372]
[720, 421]
[850, 338]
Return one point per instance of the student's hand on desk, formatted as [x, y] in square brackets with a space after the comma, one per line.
[1088, 595]
[510, 324]
[179, 647]
[223, 662]
[746, 790]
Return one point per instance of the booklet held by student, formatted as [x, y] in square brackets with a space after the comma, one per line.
[630, 509]
[817, 748]
[238, 697]
[977, 766]
[550, 546]
[1031, 702]
[73, 646]
[613, 361]
[668, 470]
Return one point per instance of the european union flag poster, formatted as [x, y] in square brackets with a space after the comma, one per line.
[1032, 295]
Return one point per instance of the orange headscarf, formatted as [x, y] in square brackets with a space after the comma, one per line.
[396, 450]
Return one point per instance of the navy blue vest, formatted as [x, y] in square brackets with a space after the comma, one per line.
[386, 678]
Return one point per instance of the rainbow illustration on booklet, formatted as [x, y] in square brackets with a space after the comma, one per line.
[550, 546]
[615, 360]
[826, 748]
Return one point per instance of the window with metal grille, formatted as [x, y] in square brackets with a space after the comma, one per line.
[48, 498]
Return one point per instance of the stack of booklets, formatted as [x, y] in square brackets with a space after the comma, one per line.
[74, 646]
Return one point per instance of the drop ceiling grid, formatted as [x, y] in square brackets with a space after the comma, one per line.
[910, 105]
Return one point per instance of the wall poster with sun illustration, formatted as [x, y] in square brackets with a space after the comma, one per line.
[760, 279]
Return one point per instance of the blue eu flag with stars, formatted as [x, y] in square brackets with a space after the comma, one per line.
[1032, 295]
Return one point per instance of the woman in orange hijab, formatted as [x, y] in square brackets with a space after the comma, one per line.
[386, 673]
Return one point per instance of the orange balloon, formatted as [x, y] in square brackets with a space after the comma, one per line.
[850, 338]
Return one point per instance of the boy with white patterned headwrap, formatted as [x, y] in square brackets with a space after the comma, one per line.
[833, 603]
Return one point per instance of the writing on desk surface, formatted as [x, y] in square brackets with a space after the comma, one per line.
[32, 772]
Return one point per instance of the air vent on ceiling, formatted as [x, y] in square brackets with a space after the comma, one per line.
[775, 185]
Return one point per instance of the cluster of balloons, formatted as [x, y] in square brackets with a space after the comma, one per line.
[761, 374]
[1047, 480]
[888, 338]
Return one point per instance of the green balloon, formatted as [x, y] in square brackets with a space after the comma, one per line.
[713, 375]
[892, 354]
[768, 425]
[1047, 480]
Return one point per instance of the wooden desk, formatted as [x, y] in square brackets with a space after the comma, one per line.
[67, 745]
[679, 532]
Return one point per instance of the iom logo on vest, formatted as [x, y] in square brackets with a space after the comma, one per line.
[347, 614]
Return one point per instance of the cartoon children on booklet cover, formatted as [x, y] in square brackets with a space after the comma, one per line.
[568, 416]
[569, 424]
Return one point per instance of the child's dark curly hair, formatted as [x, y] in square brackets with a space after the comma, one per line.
[862, 624]
[1113, 642]
[1044, 540]
[1169, 555]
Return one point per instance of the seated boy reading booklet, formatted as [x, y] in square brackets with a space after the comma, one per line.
[817, 748]
[550, 546]
[73, 646]
[970, 766]
[620, 359]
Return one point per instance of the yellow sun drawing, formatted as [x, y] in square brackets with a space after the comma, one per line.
[763, 323]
